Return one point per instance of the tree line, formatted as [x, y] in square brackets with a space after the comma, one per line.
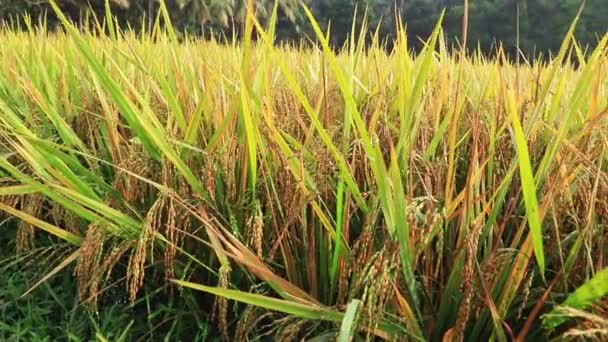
[535, 26]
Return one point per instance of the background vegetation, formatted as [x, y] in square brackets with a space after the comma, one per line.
[155, 187]
[541, 23]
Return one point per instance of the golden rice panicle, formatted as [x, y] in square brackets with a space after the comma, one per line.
[256, 231]
[137, 261]
[33, 205]
[221, 304]
[87, 268]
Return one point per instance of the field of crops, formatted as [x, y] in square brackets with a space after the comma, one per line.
[294, 193]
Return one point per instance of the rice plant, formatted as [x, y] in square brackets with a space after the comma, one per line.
[308, 193]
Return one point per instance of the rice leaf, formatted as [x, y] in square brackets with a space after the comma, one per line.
[584, 296]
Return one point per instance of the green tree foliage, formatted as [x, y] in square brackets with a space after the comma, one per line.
[541, 23]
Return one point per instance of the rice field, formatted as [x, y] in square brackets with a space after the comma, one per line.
[299, 193]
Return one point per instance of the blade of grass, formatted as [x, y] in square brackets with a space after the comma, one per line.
[49, 228]
[349, 324]
[527, 183]
[590, 292]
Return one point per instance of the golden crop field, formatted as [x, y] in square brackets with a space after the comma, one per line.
[300, 192]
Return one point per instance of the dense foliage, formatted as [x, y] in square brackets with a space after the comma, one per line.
[542, 23]
[241, 190]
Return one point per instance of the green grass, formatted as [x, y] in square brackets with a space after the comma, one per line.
[53, 312]
[245, 190]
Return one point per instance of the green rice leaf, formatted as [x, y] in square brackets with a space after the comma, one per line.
[587, 294]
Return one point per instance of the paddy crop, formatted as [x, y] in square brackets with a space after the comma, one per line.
[306, 192]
